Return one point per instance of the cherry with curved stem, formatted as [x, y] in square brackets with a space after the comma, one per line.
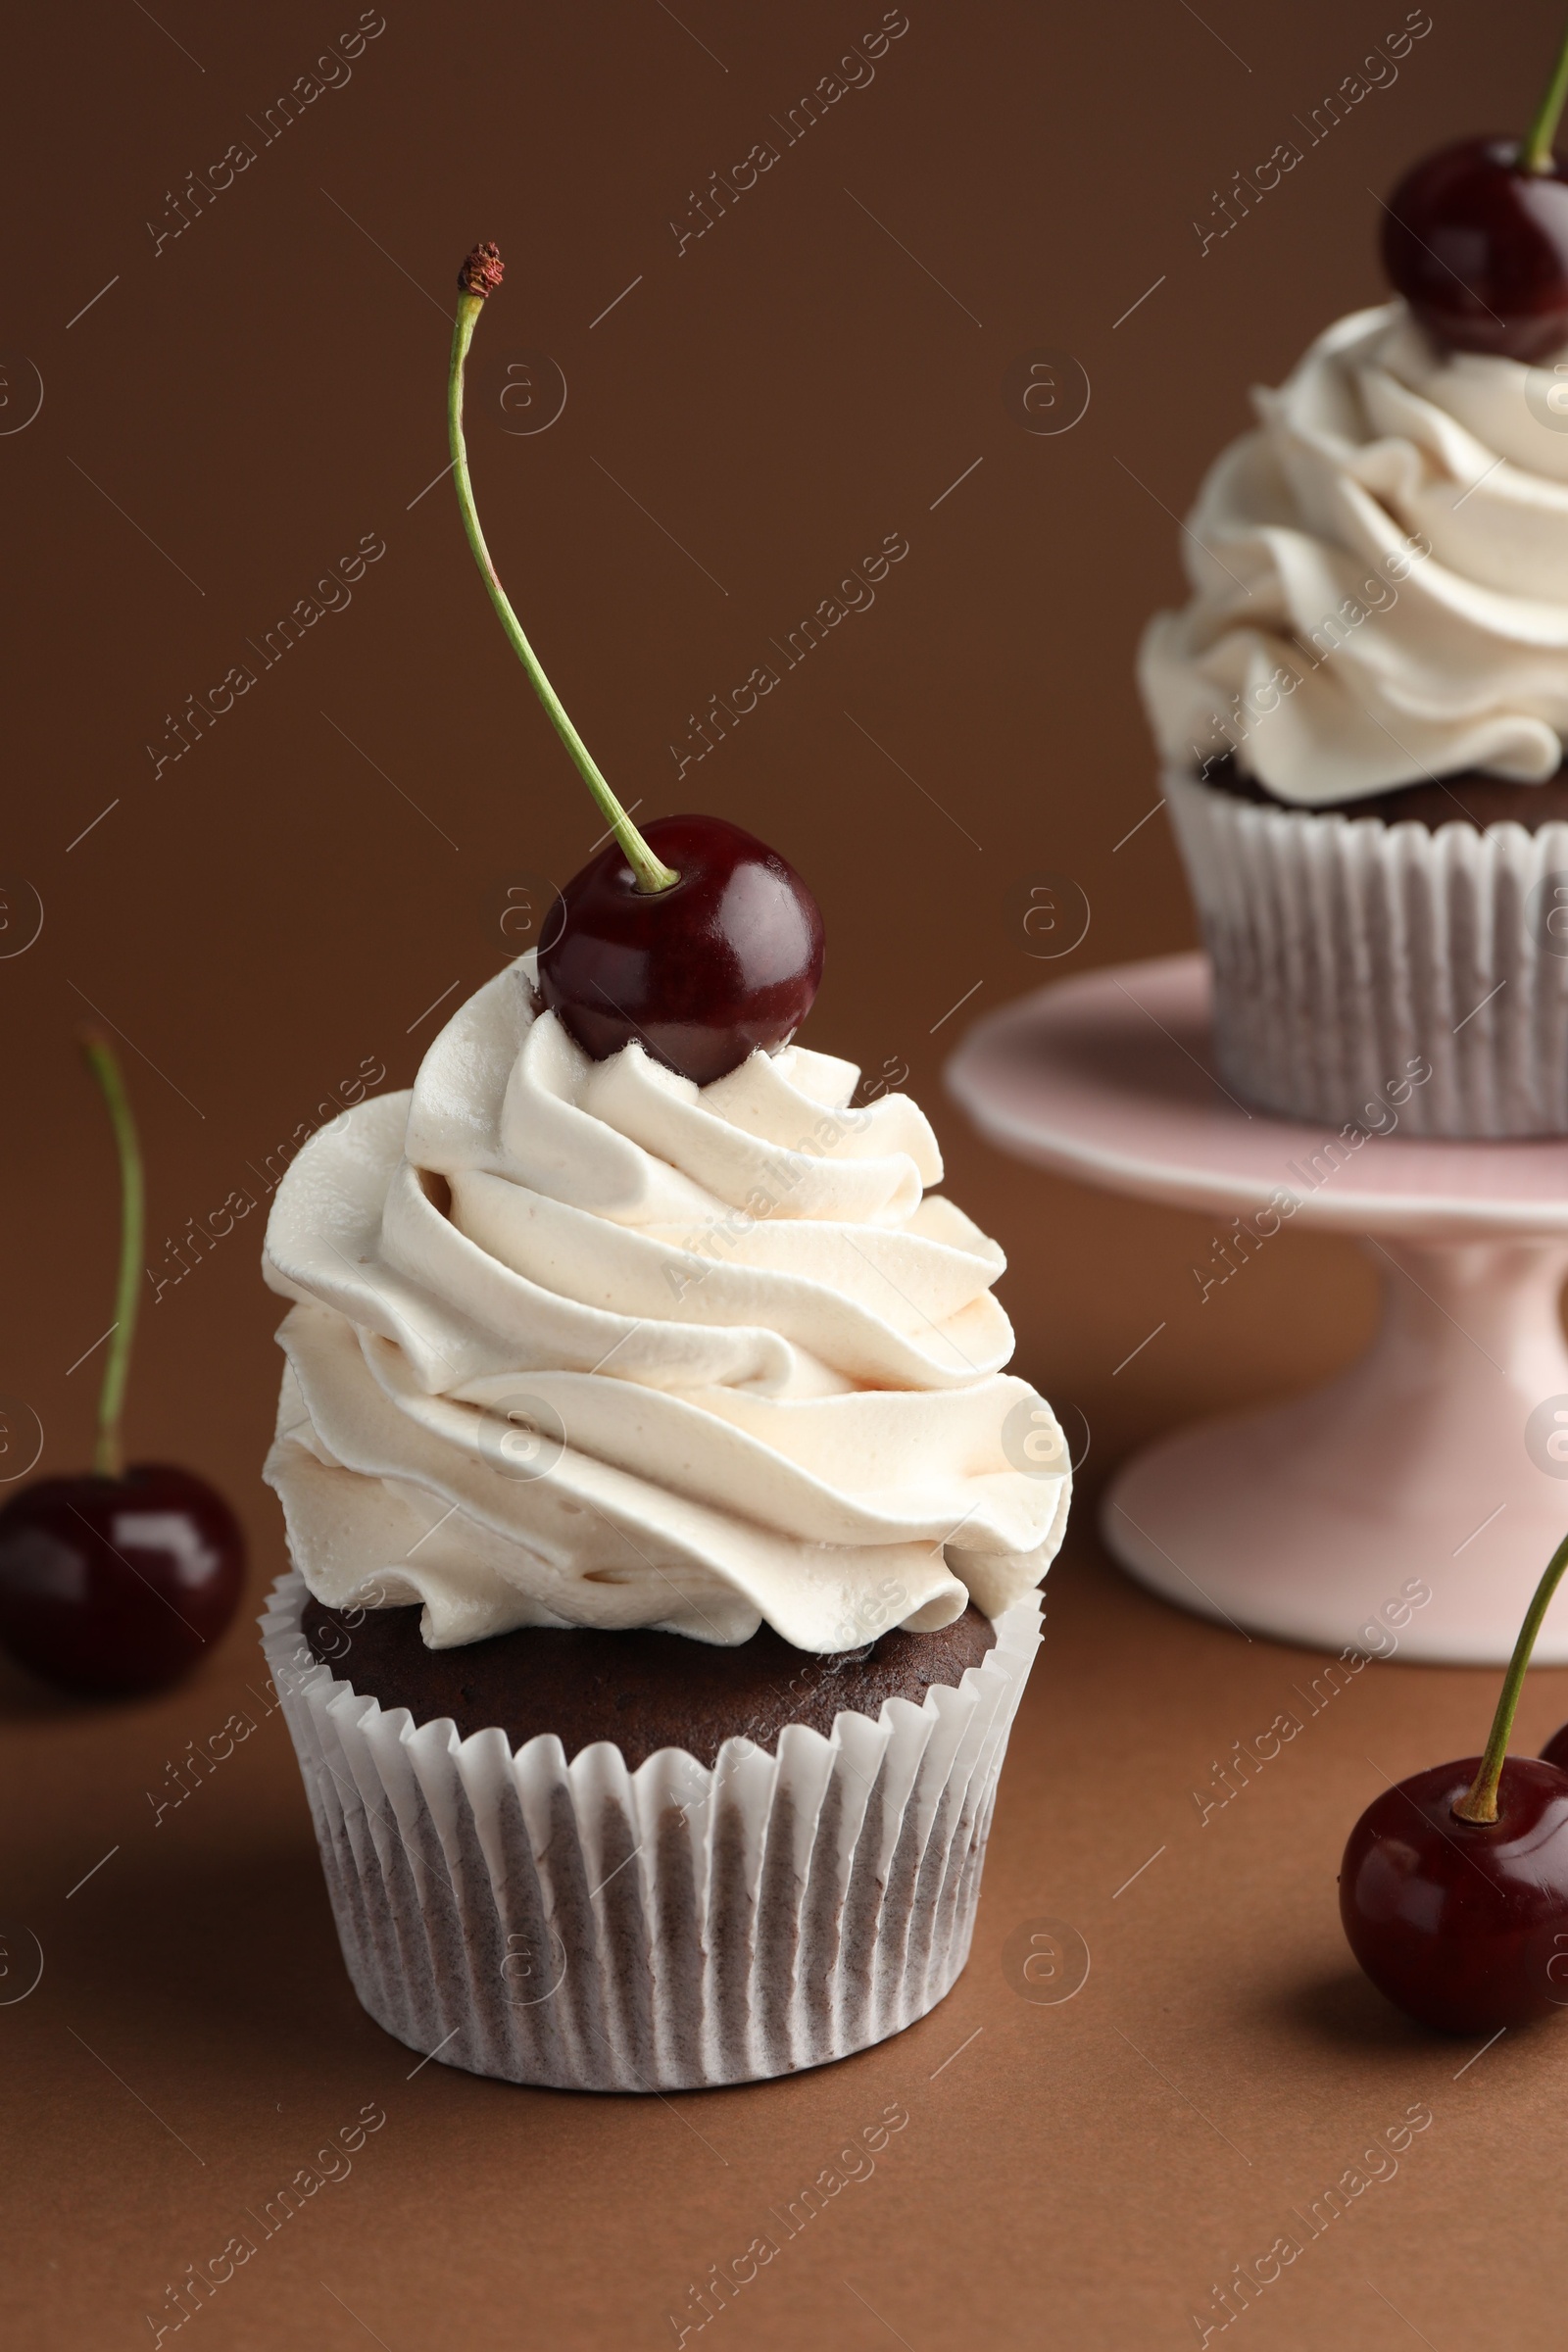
[1476, 238]
[1453, 1889]
[478, 279]
[116, 1582]
[702, 961]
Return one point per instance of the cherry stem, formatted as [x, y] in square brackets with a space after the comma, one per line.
[1535, 154]
[1480, 1803]
[108, 1458]
[652, 873]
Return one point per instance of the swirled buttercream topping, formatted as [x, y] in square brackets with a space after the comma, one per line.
[580, 1342]
[1380, 574]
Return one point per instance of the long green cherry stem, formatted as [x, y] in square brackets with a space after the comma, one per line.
[108, 1458]
[1480, 1801]
[477, 280]
[1535, 154]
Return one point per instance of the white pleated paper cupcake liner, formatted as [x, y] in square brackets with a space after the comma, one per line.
[1350, 954]
[590, 1928]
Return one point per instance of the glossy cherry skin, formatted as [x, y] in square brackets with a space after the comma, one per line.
[727, 960]
[1463, 1925]
[1555, 1750]
[1479, 249]
[117, 1585]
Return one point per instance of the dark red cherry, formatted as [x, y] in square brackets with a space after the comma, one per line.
[1478, 246]
[1555, 1750]
[727, 960]
[1463, 1925]
[721, 951]
[118, 1585]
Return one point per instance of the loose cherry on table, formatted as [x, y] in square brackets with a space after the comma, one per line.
[1476, 240]
[117, 1580]
[691, 937]
[115, 1584]
[1453, 1889]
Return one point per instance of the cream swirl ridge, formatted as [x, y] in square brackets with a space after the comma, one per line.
[582, 1342]
[1380, 575]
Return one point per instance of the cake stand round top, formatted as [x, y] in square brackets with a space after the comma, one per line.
[1109, 1078]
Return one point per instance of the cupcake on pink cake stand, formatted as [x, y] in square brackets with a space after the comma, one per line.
[1403, 1508]
[1363, 711]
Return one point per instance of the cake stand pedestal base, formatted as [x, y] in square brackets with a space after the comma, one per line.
[1328, 1518]
[1422, 1491]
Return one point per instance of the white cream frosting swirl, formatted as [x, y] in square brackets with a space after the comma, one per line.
[581, 1343]
[1308, 555]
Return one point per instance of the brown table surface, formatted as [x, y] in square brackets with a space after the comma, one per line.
[1085, 2173]
[242, 380]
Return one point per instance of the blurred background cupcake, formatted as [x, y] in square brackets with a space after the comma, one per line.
[1361, 712]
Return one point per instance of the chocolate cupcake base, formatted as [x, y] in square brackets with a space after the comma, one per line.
[641, 1690]
[581, 1924]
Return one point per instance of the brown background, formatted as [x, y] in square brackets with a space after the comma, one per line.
[217, 429]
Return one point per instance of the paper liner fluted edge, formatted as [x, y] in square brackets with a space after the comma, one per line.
[1347, 953]
[589, 1928]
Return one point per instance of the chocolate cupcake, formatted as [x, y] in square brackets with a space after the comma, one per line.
[1362, 710]
[666, 1544]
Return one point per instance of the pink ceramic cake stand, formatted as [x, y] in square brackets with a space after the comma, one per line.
[1442, 1456]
